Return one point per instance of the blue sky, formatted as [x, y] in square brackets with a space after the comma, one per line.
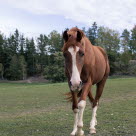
[33, 17]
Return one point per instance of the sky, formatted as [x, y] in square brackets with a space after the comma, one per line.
[33, 17]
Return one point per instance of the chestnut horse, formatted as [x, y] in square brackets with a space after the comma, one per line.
[85, 65]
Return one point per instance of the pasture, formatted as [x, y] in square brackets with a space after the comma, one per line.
[41, 109]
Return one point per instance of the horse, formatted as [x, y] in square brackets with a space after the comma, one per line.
[85, 65]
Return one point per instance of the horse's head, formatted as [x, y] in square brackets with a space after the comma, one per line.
[73, 51]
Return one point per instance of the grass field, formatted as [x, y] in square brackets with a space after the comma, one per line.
[41, 110]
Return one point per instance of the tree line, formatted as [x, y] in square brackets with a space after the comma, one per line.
[21, 57]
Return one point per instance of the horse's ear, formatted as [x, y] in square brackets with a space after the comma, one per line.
[65, 36]
[79, 36]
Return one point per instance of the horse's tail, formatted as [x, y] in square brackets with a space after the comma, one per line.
[69, 96]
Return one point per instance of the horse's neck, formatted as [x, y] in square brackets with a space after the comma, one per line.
[89, 48]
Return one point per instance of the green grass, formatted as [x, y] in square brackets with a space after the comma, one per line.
[41, 110]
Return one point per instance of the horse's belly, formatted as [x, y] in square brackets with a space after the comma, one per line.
[99, 72]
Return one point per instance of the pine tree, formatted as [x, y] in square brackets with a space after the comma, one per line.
[11, 45]
[133, 42]
[55, 71]
[16, 40]
[22, 67]
[1, 48]
[30, 57]
[125, 40]
[42, 42]
[109, 40]
[1, 71]
[14, 70]
[84, 30]
[55, 41]
[22, 45]
[92, 33]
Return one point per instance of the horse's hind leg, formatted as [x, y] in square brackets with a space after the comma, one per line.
[99, 91]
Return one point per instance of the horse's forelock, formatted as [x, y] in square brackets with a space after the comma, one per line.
[75, 29]
[68, 44]
[72, 41]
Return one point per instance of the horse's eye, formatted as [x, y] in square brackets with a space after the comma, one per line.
[81, 53]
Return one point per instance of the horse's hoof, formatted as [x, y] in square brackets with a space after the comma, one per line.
[80, 134]
[92, 131]
[73, 134]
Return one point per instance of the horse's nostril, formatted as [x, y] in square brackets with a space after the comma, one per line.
[70, 83]
[80, 82]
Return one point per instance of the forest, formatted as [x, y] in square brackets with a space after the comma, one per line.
[22, 57]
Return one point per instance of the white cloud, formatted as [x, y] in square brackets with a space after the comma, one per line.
[9, 24]
[111, 13]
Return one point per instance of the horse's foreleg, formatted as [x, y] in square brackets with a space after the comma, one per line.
[81, 107]
[75, 110]
[75, 122]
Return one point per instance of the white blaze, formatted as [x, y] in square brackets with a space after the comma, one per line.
[75, 78]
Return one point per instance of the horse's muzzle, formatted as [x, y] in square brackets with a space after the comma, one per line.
[76, 87]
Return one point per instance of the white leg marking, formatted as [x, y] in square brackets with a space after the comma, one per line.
[75, 122]
[75, 78]
[81, 106]
[93, 121]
